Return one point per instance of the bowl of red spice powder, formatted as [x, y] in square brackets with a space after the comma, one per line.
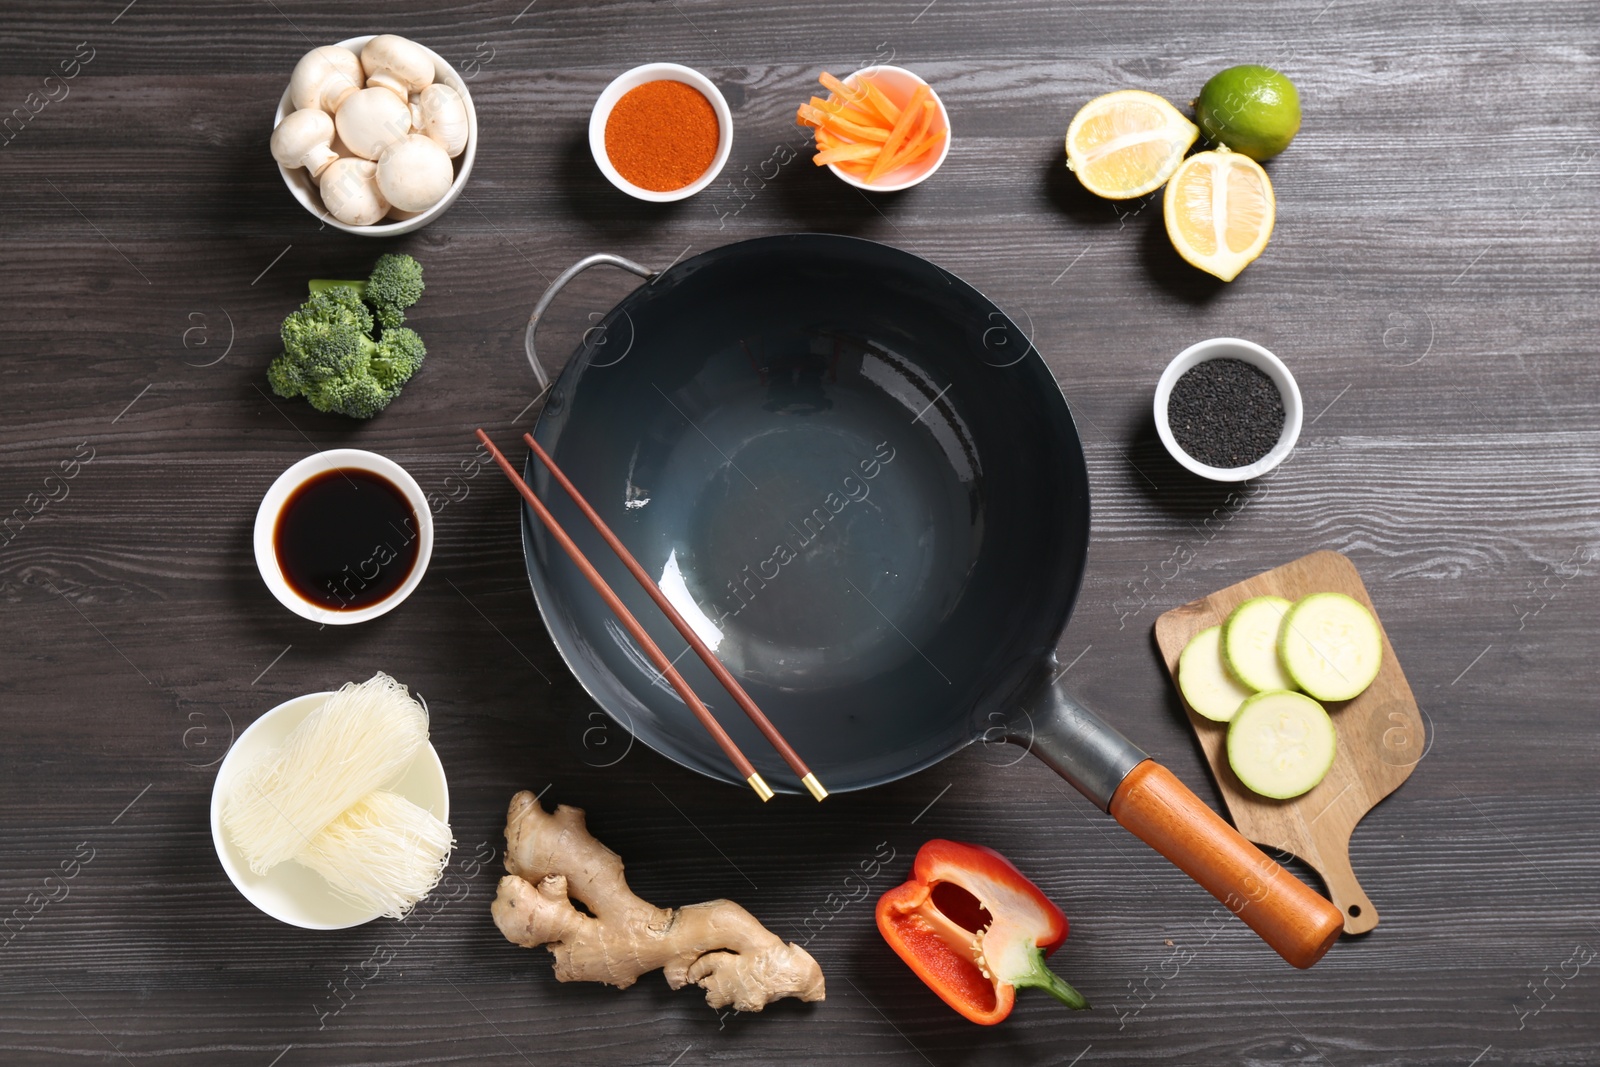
[661, 132]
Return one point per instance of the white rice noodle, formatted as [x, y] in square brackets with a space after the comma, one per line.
[362, 739]
[382, 855]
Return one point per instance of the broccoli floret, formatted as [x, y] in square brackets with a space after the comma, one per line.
[359, 397]
[330, 357]
[399, 354]
[325, 336]
[394, 285]
[283, 374]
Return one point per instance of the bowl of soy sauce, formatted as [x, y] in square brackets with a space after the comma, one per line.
[343, 536]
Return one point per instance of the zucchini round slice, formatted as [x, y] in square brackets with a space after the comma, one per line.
[1250, 643]
[1281, 744]
[1203, 678]
[1331, 646]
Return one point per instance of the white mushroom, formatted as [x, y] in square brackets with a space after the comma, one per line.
[396, 215]
[302, 140]
[324, 77]
[414, 174]
[444, 117]
[396, 64]
[350, 192]
[371, 121]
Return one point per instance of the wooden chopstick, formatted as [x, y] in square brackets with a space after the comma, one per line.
[751, 776]
[729, 682]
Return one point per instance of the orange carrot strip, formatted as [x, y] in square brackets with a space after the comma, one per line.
[836, 107]
[810, 115]
[916, 132]
[813, 115]
[913, 110]
[846, 152]
[830, 144]
[920, 149]
[844, 111]
[843, 127]
[859, 133]
[879, 101]
[855, 97]
[919, 133]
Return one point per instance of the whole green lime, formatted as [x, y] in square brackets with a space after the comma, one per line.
[1251, 109]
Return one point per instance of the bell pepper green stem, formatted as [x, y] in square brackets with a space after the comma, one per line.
[1042, 977]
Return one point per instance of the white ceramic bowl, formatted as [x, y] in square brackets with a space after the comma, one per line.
[305, 189]
[1247, 352]
[290, 892]
[292, 479]
[899, 83]
[632, 79]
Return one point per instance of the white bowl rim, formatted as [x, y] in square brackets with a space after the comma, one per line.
[431, 768]
[1255, 355]
[291, 479]
[632, 79]
[421, 219]
[944, 149]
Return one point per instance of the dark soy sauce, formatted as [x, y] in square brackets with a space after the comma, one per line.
[346, 539]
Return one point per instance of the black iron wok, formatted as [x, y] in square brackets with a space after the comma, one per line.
[854, 475]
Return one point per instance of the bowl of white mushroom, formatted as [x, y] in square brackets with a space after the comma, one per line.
[375, 135]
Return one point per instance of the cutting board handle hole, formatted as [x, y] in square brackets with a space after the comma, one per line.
[1354, 910]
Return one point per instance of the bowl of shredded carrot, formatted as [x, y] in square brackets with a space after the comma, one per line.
[661, 132]
[881, 129]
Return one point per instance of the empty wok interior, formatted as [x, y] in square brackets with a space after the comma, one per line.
[843, 466]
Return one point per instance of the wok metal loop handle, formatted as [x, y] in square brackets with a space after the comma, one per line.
[598, 259]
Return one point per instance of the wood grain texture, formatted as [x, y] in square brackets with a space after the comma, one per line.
[1381, 736]
[1430, 282]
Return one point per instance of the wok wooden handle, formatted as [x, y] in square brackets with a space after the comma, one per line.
[1299, 923]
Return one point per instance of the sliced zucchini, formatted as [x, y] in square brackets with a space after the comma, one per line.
[1281, 744]
[1330, 645]
[1250, 643]
[1203, 678]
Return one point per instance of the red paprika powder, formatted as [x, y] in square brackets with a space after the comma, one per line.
[662, 135]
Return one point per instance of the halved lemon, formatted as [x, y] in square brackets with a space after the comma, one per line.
[1127, 143]
[1219, 210]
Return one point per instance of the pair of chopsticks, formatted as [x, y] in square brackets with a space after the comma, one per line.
[751, 776]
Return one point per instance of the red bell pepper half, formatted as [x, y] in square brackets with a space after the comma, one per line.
[974, 929]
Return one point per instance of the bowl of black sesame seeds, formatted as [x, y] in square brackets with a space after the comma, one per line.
[1227, 409]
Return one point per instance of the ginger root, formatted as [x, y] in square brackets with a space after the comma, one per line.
[554, 860]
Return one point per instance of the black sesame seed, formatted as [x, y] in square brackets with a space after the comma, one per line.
[1225, 413]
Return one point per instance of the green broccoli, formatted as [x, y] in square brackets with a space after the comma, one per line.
[399, 354]
[329, 354]
[394, 285]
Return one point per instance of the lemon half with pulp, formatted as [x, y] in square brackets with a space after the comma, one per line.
[1219, 211]
[1127, 143]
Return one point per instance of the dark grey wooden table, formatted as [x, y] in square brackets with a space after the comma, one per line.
[1431, 282]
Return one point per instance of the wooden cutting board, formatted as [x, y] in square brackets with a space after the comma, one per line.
[1381, 737]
